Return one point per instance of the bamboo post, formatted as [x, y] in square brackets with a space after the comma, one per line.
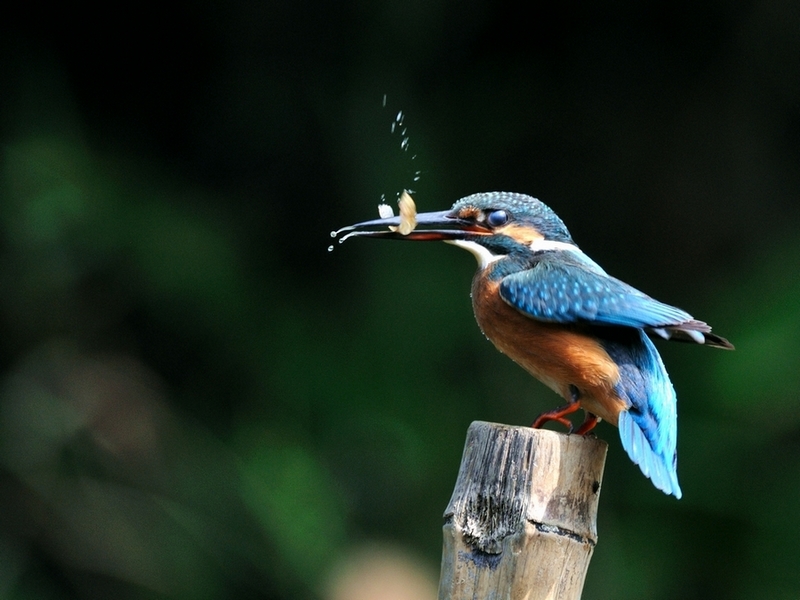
[522, 520]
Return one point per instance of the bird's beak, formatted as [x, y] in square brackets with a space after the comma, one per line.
[430, 227]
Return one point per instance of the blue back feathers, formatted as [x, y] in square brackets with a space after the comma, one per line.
[560, 290]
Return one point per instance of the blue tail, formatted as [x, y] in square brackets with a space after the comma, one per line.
[649, 428]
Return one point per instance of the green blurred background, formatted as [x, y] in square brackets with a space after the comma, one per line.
[198, 400]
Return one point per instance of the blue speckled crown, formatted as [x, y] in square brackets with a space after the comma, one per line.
[522, 209]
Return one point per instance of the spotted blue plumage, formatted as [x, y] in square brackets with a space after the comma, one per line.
[560, 289]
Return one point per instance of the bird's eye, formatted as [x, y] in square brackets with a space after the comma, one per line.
[497, 218]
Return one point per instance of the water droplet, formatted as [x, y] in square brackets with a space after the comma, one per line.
[333, 234]
[384, 100]
[404, 144]
[399, 117]
[330, 248]
[393, 126]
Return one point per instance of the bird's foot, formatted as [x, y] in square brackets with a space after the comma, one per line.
[559, 414]
[588, 424]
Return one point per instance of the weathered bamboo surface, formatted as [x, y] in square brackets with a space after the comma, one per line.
[522, 522]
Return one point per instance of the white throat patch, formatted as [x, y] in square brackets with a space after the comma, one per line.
[484, 256]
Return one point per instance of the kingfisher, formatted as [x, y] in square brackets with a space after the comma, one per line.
[554, 311]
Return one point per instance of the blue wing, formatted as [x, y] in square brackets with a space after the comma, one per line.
[564, 291]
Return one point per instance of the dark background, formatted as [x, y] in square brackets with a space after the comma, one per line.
[198, 400]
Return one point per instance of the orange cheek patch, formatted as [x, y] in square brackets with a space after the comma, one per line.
[520, 233]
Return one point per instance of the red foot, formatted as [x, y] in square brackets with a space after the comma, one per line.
[558, 414]
[588, 424]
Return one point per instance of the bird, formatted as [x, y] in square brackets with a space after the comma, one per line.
[554, 311]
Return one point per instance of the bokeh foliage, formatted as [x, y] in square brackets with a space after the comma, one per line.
[198, 400]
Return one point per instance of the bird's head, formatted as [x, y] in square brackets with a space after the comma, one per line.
[491, 225]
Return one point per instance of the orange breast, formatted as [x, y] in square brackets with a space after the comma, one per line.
[558, 355]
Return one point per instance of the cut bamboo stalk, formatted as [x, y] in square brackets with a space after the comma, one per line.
[522, 522]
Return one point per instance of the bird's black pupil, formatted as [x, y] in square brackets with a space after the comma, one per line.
[497, 218]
